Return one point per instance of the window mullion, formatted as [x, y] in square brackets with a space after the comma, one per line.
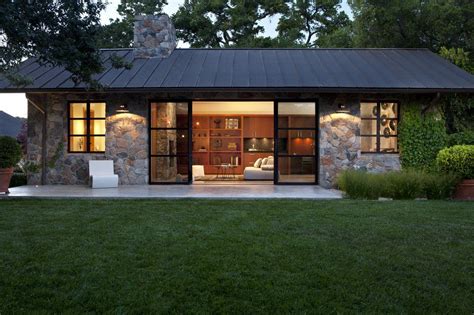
[88, 126]
[378, 127]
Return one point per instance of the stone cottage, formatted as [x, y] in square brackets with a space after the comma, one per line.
[278, 116]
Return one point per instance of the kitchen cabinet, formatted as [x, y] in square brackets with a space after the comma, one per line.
[258, 127]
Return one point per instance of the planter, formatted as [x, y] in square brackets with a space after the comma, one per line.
[5, 177]
[465, 190]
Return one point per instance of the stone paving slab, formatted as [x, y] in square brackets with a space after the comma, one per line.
[176, 192]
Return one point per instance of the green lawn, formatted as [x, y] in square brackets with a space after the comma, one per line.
[201, 256]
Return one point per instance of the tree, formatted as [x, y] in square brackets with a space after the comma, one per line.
[414, 23]
[225, 23]
[119, 33]
[310, 23]
[60, 33]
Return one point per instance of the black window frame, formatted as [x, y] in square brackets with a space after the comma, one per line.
[378, 135]
[88, 119]
[187, 129]
[316, 138]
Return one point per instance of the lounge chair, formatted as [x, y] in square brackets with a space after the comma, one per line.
[101, 174]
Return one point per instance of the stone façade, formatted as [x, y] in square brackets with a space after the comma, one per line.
[127, 134]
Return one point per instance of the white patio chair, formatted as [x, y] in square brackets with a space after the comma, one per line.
[101, 174]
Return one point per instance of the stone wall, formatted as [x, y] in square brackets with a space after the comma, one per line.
[153, 36]
[126, 140]
[127, 136]
[340, 141]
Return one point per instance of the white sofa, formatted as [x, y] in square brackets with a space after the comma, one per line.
[101, 174]
[261, 170]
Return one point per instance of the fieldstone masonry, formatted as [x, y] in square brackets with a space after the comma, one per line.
[153, 36]
[340, 143]
[127, 137]
[126, 141]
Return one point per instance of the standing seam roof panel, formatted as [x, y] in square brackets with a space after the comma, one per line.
[191, 75]
[375, 69]
[241, 74]
[178, 71]
[211, 63]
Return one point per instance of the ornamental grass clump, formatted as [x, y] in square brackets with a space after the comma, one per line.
[407, 184]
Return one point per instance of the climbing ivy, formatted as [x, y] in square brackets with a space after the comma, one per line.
[421, 137]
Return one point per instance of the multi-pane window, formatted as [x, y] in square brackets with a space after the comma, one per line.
[87, 127]
[379, 127]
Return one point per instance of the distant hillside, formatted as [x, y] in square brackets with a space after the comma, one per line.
[9, 125]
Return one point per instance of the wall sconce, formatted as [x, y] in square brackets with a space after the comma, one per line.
[123, 108]
[342, 108]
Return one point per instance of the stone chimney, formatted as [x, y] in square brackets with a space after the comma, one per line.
[153, 36]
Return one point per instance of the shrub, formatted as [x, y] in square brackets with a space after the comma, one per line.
[420, 137]
[10, 152]
[459, 138]
[458, 159]
[407, 184]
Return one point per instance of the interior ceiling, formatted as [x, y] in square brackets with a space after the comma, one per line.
[252, 108]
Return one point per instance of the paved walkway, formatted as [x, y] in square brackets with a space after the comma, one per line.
[176, 191]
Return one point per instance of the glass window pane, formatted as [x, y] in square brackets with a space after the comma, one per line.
[300, 115]
[169, 142]
[172, 169]
[296, 169]
[97, 144]
[368, 144]
[169, 115]
[97, 110]
[97, 127]
[78, 144]
[368, 127]
[368, 110]
[388, 145]
[78, 127]
[389, 110]
[297, 142]
[78, 110]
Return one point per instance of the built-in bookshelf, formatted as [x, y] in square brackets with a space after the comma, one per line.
[217, 139]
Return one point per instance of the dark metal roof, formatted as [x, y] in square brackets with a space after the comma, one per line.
[311, 69]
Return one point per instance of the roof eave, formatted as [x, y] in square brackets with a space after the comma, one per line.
[248, 89]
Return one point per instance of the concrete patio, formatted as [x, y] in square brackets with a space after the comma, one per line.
[266, 191]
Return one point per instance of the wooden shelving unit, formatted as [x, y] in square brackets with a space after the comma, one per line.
[217, 141]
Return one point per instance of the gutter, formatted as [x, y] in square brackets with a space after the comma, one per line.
[43, 139]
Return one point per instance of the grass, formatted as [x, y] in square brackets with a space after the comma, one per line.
[152, 256]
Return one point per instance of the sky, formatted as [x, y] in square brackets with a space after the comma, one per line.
[15, 103]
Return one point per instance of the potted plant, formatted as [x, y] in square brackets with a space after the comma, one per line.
[459, 160]
[10, 155]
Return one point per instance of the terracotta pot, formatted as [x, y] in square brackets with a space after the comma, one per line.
[5, 176]
[465, 190]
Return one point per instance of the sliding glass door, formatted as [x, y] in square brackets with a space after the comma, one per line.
[296, 143]
[170, 143]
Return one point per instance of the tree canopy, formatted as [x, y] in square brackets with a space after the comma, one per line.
[413, 23]
[309, 23]
[119, 33]
[57, 32]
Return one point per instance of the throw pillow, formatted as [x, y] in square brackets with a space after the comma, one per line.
[264, 161]
[270, 161]
[257, 163]
[267, 167]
